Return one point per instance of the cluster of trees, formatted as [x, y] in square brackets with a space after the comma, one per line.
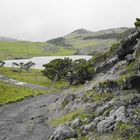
[23, 66]
[74, 72]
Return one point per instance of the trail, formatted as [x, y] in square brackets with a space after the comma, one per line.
[28, 119]
[24, 84]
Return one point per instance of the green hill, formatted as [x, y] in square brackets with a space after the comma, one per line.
[80, 41]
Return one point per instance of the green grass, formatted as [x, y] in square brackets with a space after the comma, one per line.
[11, 50]
[33, 77]
[21, 49]
[12, 93]
[62, 51]
[65, 118]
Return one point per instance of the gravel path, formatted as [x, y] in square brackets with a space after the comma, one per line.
[28, 119]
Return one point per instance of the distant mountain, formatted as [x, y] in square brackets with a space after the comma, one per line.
[8, 39]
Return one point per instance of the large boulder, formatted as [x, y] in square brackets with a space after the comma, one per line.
[63, 132]
[106, 125]
[120, 114]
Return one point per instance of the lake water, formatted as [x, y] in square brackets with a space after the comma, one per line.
[39, 61]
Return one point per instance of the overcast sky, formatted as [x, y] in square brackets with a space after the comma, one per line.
[40, 20]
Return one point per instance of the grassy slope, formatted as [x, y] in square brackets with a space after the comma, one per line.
[76, 45]
[10, 50]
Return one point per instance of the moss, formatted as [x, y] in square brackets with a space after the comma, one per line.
[94, 96]
[66, 118]
[127, 131]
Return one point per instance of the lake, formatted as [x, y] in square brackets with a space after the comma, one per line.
[39, 61]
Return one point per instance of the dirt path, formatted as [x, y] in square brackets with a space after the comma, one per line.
[27, 120]
[12, 81]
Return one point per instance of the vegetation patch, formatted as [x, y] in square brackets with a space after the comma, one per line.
[127, 131]
[66, 118]
[33, 77]
[10, 93]
[94, 96]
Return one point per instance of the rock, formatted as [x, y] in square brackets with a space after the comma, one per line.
[127, 45]
[130, 58]
[76, 122]
[105, 125]
[132, 82]
[63, 132]
[98, 119]
[88, 128]
[107, 86]
[120, 114]
[107, 65]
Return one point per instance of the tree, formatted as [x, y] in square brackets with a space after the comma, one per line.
[137, 23]
[57, 69]
[26, 66]
[2, 63]
[80, 72]
[22, 66]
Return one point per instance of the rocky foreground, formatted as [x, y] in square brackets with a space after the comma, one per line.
[107, 108]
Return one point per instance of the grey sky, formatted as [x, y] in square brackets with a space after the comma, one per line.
[40, 20]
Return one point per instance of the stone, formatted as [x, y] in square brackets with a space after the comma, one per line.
[63, 132]
[77, 122]
[130, 58]
[104, 126]
[120, 114]
[88, 128]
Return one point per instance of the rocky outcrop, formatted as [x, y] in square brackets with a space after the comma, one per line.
[106, 124]
[107, 65]
[128, 45]
[120, 114]
[63, 132]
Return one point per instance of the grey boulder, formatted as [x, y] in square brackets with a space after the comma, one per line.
[63, 132]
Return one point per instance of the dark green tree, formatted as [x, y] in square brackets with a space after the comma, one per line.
[57, 69]
[137, 23]
[81, 71]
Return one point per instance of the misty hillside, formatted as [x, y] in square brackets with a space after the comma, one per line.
[8, 39]
[80, 41]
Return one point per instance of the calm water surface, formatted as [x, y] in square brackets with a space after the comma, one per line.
[39, 61]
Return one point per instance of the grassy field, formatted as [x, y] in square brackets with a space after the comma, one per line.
[33, 77]
[12, 93]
